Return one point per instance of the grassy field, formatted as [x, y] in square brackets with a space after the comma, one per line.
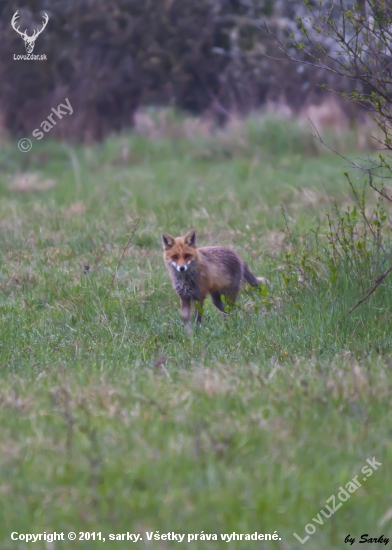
[114, 419]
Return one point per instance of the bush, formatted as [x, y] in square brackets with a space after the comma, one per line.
[109, 58]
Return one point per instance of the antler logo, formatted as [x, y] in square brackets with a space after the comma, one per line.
[28, 40]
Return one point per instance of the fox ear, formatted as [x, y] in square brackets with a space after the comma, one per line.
[190, 238]
[167, 241]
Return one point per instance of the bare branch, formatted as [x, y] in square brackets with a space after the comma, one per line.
[374, 286]
[135, 226]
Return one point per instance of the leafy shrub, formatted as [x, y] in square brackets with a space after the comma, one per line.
[109, 58]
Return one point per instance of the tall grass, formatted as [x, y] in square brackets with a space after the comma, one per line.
[113, 417]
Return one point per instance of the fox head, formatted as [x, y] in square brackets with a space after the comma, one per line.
[179, 253]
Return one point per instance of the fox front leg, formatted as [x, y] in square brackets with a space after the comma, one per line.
[185, 311]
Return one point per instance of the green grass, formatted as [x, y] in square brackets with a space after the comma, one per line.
[113, 418]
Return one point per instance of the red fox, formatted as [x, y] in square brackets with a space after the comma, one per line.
[196, 272]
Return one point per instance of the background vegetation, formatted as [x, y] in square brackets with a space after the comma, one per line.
[109, 58]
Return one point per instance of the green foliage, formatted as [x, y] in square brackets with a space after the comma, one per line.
[354, 44]
[358, 242]
[359, 239]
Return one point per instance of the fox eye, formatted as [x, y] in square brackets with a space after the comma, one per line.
[187, 256]
[175, 257]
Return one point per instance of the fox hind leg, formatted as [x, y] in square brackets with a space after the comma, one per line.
[217, 301]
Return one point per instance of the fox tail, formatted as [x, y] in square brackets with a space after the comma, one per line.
[250, 278]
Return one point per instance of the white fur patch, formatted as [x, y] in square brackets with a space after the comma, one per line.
[178, 268]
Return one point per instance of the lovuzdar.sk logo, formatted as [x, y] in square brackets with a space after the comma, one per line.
[29, 40]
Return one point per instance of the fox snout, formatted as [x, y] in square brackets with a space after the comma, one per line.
[180, 267]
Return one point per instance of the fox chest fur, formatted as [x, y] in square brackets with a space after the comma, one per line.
[186, 284]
